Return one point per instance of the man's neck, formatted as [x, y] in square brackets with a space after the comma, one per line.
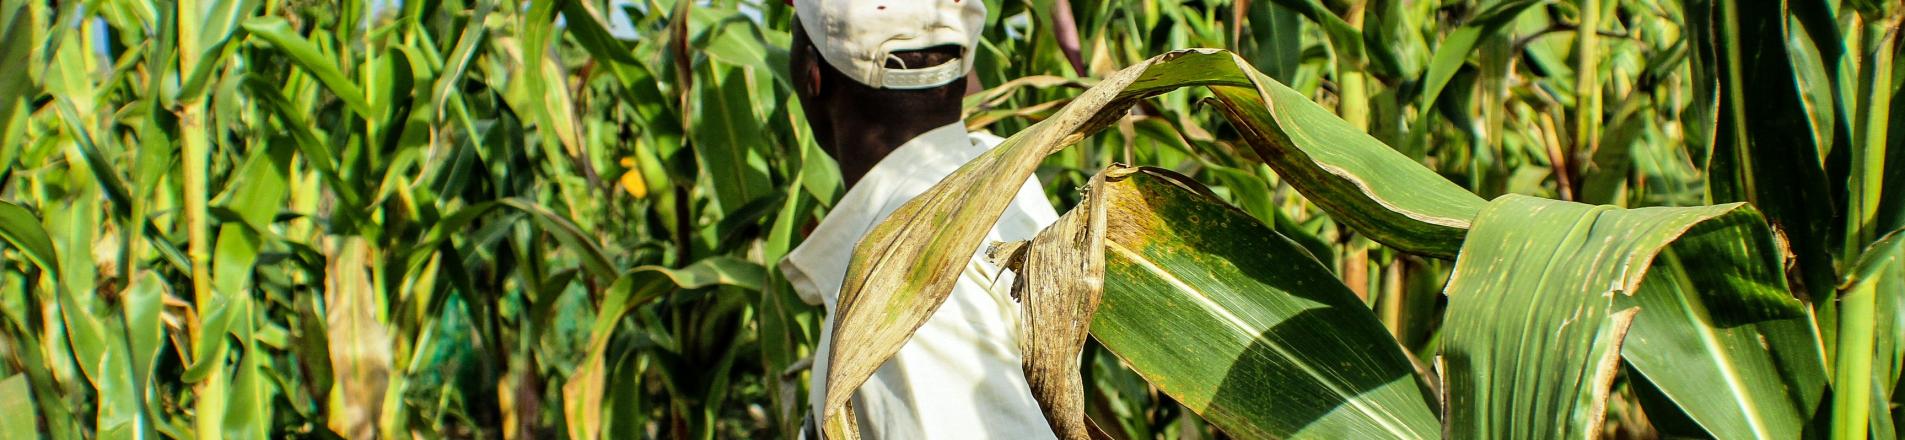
[859, 145]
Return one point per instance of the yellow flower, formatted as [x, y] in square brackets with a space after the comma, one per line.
[632, 179]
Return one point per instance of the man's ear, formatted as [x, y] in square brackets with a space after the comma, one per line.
[812, 71]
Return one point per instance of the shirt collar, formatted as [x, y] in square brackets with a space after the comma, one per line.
[819, 264]
[935, 153]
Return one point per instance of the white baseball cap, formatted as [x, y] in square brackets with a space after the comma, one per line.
[857, 37]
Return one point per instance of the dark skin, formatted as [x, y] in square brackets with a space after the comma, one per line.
[859, 125]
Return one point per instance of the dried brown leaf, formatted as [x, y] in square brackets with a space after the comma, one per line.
[1061, 275]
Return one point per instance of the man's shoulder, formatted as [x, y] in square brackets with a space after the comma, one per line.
[984, 139]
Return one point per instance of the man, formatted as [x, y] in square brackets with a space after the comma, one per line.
[881, 82]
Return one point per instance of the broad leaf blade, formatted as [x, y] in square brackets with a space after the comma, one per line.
[1360, 181]
[278, 33]
[18, 29]
[16, 400]
[727, 137]
[583, 394]
[1720, 336]
[1242, 325]
[1543, 293]
[21, 229]
[594, 260]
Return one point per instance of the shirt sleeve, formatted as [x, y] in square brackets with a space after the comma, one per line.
[804, 284]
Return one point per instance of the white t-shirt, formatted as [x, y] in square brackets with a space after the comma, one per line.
[960, 376]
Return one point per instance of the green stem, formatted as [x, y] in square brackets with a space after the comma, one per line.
[1392, 310]
[1852, 370]
[1353, 106]
[1496, 57]
[194, 152]
[1352, 82]
[1354, 94]
[1869, 136]
[1587, 86]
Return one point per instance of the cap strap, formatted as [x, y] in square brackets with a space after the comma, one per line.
[930, 77]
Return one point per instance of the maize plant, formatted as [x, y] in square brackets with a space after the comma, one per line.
[1713, 309]
[1345, 219]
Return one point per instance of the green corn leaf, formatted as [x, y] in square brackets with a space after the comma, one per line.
[73, 227]
[248, 408]
[97, 338]
[583, 394]
[1764, 148]
[18, 31]
[1870, 141]
[16, 401]
[1721, 338]
[1342, 36]
[41, 391]
[594, 259]
[134, 341]
[740, 43]
[256, 192]
[1276, 43]
[216, 27]
[1544, 294]
[1384, 195]
[461, 57]
[144, 328]
[278, 33]
[256, 196]
[1242, 325]
[1390, 42]
[727, 136]
[296, 122]
[1823, 68]
[211, 347]
[22, 231]
[638, 83]
[1252, 194]
[1453, 52]
[101, 167]
[781, 333]
[550, 104]
[819, 173]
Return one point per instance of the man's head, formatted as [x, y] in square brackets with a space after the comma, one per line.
[865, 39]
[872, 74]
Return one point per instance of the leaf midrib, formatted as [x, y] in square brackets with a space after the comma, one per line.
[1708, 341]
[1387, 420]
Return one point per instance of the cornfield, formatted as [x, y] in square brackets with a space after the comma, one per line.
[1289, 218]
